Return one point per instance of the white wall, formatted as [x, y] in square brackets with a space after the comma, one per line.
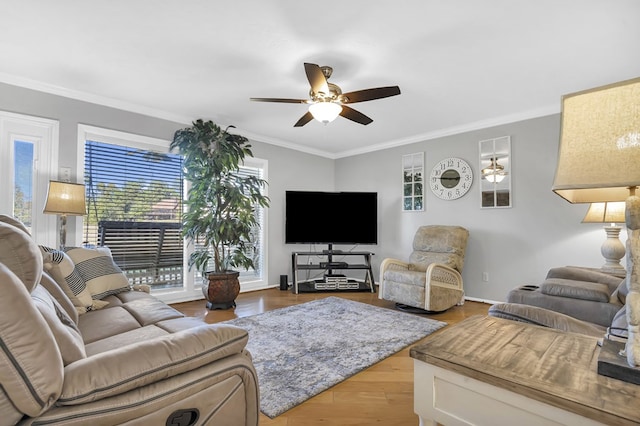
[514, 245]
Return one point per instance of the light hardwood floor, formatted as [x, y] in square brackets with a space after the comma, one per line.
[380, 395]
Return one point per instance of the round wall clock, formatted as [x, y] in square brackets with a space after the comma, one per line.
[451, 178]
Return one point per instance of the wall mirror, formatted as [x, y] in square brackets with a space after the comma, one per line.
[495, 172]
[413, 182]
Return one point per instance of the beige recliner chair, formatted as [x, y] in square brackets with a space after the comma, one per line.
[432, 279]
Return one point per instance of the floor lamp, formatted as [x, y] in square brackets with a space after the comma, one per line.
[65, 199]
[612, 249]
[598, 161]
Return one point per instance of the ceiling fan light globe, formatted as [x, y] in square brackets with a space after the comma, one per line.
[325, 112]
[495, 178]
[494, 172]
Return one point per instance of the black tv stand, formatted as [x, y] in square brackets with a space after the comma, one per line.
[331, 281]
[331, 251]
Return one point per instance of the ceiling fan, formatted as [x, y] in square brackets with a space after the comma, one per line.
[327, 100]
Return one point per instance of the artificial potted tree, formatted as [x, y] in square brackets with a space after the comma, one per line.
[221, 203]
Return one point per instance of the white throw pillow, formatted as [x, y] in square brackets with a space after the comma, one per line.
[98, 270]
[63, 271]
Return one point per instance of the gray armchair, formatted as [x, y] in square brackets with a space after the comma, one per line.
[431, 280]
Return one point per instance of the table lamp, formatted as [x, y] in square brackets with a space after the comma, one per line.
[65, 199]
[598, 161]
[612, 249]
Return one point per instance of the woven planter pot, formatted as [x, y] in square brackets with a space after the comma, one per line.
[221, 289]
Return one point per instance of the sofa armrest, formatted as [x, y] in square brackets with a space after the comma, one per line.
[545, 318]
[443, 276]
[120, 370]
[389, 264]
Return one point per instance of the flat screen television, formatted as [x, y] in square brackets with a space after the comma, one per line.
[314, 217]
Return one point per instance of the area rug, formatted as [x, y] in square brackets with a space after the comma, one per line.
[302, 350]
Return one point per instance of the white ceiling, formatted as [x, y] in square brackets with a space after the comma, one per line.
[460, 64]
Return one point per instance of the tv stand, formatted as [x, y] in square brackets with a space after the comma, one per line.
[331, 281]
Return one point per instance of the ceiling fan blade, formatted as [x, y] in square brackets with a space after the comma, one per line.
[353, 115]
[370, 94]
[281, 100]
[316, 78]
[304, 120]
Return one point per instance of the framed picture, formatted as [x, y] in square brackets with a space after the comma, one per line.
[413, 182]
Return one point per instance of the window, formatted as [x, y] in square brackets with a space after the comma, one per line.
[24, 165]
[134, 205]
[412, 182]
[135, 188]
[28, 160]
[255, 278]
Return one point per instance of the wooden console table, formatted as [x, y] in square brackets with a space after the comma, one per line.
[491, 371]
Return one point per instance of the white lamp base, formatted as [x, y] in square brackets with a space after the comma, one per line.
[612, 250]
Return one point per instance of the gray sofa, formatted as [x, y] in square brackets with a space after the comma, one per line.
[571, 299]
[584, 294]
[119, 357]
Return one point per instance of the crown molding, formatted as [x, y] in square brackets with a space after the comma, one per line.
[477, 125]
[152, 112]
[92, 98]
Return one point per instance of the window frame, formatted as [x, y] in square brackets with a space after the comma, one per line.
[190, 290]
[262, 282]
[44, 134]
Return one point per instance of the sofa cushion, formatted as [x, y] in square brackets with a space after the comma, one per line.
[32, 370]
[104, 374]
[101, 275]
[573, 289]
[439, 244]
[179, 324]
[20, 254]
[413, 277]
[64, 329]
[14, 222]
[149, 310]
[62, 269]
[100, 324]
[131, 337]
[585, 274]
[57, 293]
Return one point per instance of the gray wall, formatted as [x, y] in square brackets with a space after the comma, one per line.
[515, 246]
[289, 170]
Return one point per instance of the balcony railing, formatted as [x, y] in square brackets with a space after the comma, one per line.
[147, 252]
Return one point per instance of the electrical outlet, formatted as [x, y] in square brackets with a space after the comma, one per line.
[64, 174]
[485, 277]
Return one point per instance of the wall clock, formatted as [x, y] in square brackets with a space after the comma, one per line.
[451, 178]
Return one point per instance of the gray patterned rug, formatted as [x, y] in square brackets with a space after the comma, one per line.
[302, 350]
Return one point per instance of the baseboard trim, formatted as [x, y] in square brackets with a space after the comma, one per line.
[476, 299]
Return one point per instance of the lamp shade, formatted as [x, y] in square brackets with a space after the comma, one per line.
[325, 112]
[65, 198]
[599, 149]
[605, 213]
